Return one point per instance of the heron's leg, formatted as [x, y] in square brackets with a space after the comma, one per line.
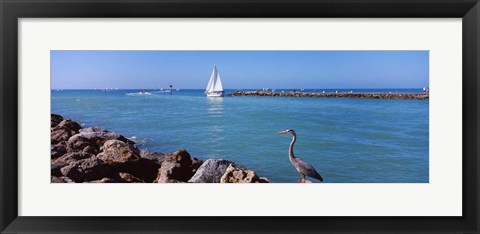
[301, 180]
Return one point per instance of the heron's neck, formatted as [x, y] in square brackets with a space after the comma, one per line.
[290, 150]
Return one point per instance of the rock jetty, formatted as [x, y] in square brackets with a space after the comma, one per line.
[96, 155]
[411, 96]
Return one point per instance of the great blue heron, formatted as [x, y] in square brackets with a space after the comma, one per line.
[304, 168]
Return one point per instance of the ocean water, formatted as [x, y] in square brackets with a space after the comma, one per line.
[347, 140]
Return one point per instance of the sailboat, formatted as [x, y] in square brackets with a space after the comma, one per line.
[214, 87]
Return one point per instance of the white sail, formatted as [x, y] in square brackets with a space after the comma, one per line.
[211, 82]
[218, 84]
[214, 84]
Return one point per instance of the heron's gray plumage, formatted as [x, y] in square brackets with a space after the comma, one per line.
[304, 168]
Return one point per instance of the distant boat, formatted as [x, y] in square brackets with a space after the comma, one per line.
[214, 87]
[144, 93]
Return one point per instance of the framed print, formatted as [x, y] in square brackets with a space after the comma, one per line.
[268, 116]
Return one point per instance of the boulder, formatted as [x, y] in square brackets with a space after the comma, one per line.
[77, 143]
[63, 131]
[155, 156]
[101, 135]
[212, 170]
[170, 181]
[69, 125]
[264, 180]
[87, 170]
[59, 135]
[238, 175]
[71, 158]
[58, 149]
[196, 163]
[145, 169]
[95, 138]
[118, 152]
[176, 166]
[55, 168]
[89, 150]
[304, 181]
[55, 120]
[128, 178]
[124, 157]
[93, 129]
[62, 179]
[103, 180]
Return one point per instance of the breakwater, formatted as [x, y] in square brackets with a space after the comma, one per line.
[411, 96]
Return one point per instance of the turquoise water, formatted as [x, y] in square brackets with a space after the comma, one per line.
[346, 140]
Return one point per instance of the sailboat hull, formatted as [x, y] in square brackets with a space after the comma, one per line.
[215, 94]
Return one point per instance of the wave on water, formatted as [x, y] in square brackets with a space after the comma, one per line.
[138, 141]
[139, 94]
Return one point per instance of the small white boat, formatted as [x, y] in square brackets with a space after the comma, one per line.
[143, 93]
[214, 87]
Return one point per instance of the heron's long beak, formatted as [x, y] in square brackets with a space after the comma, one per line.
[282, 132]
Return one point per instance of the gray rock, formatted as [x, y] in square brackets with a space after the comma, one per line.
[93, 129]
[212, 170]
[96, 132]
[93, 137]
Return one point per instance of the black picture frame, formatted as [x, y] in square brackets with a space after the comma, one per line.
[11, 11]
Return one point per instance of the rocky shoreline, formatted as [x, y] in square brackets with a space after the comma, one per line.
[410, 96]
[96, 155]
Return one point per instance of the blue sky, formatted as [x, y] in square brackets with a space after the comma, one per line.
[239, 69]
